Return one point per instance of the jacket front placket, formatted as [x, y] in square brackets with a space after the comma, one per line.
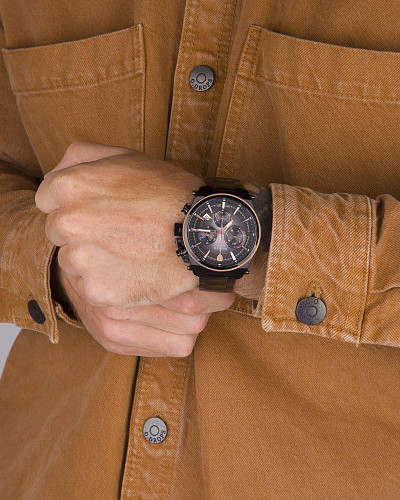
[161, 382]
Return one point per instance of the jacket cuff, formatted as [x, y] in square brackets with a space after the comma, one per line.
[320, 247]
[25, 259]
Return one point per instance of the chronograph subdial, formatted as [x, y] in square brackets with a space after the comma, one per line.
[206, 235]
[222, 217]
[235, 236]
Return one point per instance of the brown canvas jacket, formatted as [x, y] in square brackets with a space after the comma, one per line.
[306, 101]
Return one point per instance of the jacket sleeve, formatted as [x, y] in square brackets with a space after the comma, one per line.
[342, 248]
[25, 252]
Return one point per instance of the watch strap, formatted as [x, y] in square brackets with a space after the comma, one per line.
[216, 283]
[225, 184]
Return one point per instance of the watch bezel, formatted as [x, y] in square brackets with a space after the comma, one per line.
[187, 245]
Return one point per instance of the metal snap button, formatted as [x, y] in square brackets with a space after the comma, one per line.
[201, 78]
[155, 430]
[36, 312]
[310, 310]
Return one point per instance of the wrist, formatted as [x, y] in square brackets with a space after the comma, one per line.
[250, 285]
[57, 286]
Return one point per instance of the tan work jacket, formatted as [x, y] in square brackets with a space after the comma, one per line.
[305, 100]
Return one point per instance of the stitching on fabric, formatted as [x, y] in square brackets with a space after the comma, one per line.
[317, 327]
[250, 55]
[207, 142]
[180, 90]
[164, 473]
[54, 335]
[80, 85]
[237, 102]
[281, 192]
[367, 271]
[180, 393]
[132, 452]
[357, 223]
[321, 92]
[82, 41]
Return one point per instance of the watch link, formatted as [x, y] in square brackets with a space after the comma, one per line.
[220, 233]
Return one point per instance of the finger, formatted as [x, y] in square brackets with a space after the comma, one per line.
[198, 301]
[54, 229]
[133, 335]
[159, 317]
[128, 351]
[50, 193]
[85, 151]
[65, 261]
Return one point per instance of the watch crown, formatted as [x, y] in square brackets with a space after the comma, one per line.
[178, 229]
[178, 242]
[185, 208]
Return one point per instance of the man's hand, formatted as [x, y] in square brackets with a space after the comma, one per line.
[113, 220]
[167, 329]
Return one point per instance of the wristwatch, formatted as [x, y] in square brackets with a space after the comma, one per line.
[220, 233]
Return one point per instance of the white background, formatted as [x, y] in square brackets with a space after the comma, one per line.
[8, 333]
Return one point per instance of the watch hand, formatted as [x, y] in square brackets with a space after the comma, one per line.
[220, 246]
[227, 225]
[205, 230]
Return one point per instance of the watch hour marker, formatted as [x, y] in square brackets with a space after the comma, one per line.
[197, 244]
[206, 255]
[209, 206]
[236, 209]
[233, 256]
[248, 218]
[199, 216]
[223, 204]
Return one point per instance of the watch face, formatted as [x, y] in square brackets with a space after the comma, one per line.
[221, 232]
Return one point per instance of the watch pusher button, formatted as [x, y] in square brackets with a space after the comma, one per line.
[178, 242]
[185, 208]
[178, 229]
[181, 251]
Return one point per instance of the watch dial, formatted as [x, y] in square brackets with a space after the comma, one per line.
[221, 231]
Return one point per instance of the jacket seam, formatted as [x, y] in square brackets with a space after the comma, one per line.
[367, 268]
[119, 76]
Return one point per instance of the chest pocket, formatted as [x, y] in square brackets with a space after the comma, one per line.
[90, 89]
[314, 114]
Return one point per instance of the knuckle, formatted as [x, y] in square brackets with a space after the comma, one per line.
[63, 222]
[79, 257]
